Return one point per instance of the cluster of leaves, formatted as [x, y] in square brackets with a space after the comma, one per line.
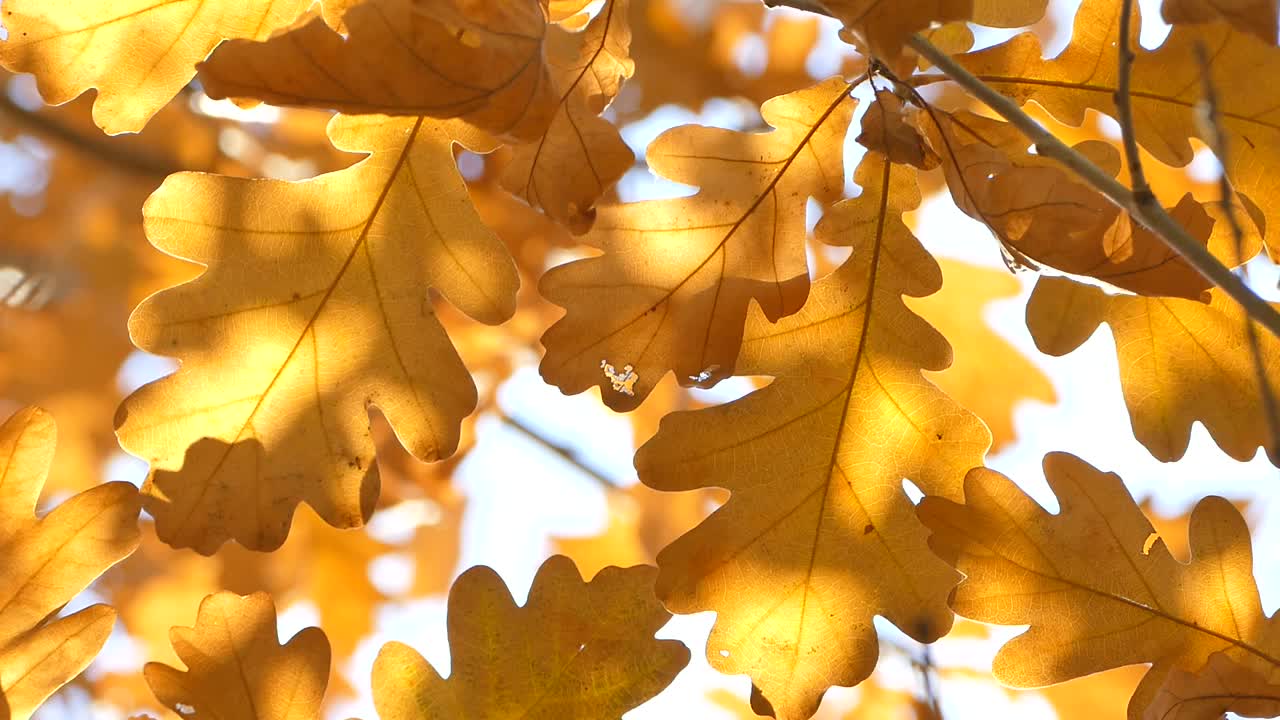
[325, 298]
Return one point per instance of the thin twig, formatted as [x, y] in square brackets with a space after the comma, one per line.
[1150, 215]
[101, 149]
[931, 694]
[557, 449]
[1124, 108]
[1217, 140]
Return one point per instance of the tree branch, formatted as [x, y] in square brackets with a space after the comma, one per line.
[97, 148]
[1149, 214]
[556, 449]
[1218, 143]
[1124, 108]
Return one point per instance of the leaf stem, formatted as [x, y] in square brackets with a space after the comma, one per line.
[1150, 214]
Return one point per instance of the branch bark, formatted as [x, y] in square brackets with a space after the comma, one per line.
[1150, 214]
[101, 149]
[1124, 107]
[1147, 212]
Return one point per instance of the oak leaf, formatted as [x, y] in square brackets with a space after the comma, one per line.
[574, 650]
[1221, 686]
[1181, 361]
[990, 376]
[1166, 89]
[137, 53]
[45, 562]
[1039, 210]
[884, 27]
[1257, 17]
[237, 668]
[1095, 583]
[581, 154]
[313, 308]
[479, 61]
[818, 535]
[670, 292]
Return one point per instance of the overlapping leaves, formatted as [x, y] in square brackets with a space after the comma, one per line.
[818, 535]
[45, 562]
[670, 292]
[1095, 582]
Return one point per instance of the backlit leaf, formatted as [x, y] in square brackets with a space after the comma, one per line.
[314, 307]
[670, 292]
[1181, 361]
[137, 53]
[45, 562]
[818, 535]
[1097, 592]
[581, 155]
[479, 61]
[237, 668]
[575, 650]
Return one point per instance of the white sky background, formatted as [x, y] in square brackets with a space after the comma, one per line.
[520, 496]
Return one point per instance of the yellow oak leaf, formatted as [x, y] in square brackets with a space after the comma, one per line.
[479, 61]
[884, 27]
[1039, 210]
[313, 308]
[989, 376]
[886, 129]
[137, 53]
[818, 535]
[1096, 589]
[1257, 17]
[1166, 88]
[45, 562]
[1181, 361]
[670, 292]
[1221, 686]
[581, 154]
[575, 650]
[237, 668]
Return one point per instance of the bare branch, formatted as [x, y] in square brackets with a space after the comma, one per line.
[556, 449]
[100, 148]
[1124, 108]
[1218, 143]
[1150, 215]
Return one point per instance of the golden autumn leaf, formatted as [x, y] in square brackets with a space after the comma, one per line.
[886, 130]
[45, 562]
[581, 154]
[884, 27]
[1257, 17]
[575, 650]
[237, 668]
[1166, 88]
[1095, 583]
[1221, 686]
[670, 292]
[478, 61]
[818, 535]
[311, 311]
[1039, 210]
[989, 376]
[1181, 361]
[138, 54]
